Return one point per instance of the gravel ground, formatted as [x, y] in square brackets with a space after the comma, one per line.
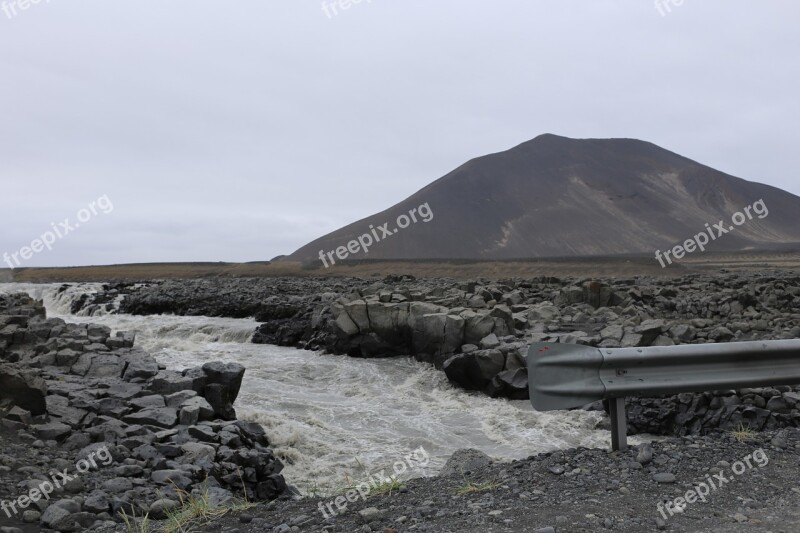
[577, 490]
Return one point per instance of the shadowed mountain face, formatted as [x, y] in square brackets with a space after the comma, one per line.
[553, 196]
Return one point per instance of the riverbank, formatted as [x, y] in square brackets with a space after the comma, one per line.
[478, 331]
[94, 428]
[578, 489]
[733, 486]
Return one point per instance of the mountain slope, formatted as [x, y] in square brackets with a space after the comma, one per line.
[553, 196]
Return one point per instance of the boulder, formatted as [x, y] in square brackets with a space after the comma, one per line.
[649, 330]
[204, 409]
[164, 417]
[473, 371]
[222, 387]
[52, 430]
[24, 387]
[511, 384]
[463, 461]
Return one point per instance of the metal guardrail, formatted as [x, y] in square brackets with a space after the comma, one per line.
[567, 376]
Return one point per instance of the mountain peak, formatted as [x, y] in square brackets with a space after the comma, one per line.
[554, 196]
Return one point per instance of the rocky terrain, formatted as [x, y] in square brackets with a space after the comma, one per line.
[92, 427]
[478, 331]
[570, 491]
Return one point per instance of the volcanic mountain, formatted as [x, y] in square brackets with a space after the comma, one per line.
[558, 197]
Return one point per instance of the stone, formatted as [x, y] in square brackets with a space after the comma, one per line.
[631, 339]
[512, 384]
[475, 370]
[177, 477]
[778, 404]
[682, 333]
[205, 411]
[194, 452]
[167, 382]
[160, 508]
[543, 312]
[148, 402]
[66, 515]
[52, 430]
[720, 334]
[489, 342]
[189, 416]
[176, 399]
[117, 485]
[613, 332]
[645, 455]
[97, 502]
[24, 387]
[371, 514]
[649, 330]
[20, 415]
[123, 390]
[139, 366]
[165, 417]
[465, 460]
[98, 366]
[222, 387]
[664, 477]
[203, 433]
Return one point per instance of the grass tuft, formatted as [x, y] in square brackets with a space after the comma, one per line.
[470, 487]
[134, 524]
[195, 510]
[744, 433]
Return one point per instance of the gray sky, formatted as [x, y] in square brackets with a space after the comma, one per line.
[238, 131]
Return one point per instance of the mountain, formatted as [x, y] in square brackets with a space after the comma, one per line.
[555, 197]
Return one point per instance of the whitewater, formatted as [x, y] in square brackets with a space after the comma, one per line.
[333, 420]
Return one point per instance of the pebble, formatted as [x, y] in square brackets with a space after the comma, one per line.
[664, 477]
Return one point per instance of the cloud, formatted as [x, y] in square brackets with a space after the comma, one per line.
[242, 132]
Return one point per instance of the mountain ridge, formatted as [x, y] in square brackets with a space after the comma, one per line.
[553, 196]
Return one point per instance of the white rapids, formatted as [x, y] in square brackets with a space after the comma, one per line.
[335, 420]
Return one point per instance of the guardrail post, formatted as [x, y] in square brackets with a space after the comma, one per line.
[619, 425]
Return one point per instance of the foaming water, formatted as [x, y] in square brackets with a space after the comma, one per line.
[58, 297]
[332, 418]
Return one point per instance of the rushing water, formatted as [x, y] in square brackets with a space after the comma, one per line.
[334, 418]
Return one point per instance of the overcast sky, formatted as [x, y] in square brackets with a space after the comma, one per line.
[238, 131]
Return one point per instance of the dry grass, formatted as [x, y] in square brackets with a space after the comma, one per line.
[458, 269]
[744, 433]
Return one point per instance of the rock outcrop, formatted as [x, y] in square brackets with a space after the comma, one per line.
[478, 331]
[77, 387]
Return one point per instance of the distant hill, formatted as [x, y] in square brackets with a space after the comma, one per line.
[560, 197]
